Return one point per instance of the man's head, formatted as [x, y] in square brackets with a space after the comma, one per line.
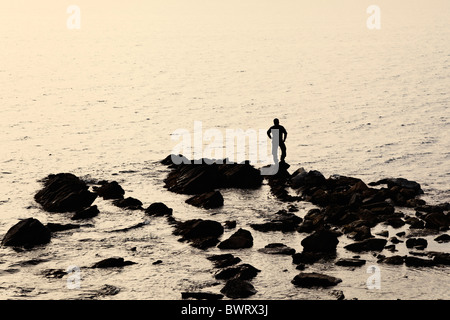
[276, 121]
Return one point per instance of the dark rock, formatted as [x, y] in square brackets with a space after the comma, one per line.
[416, 242]
[283, 221]
[110, 190]
[158, 209]
[87, 213]
[309, 179]
[314, 279]
[350, 262]
[243, 272]
[418, 262]
[400, 234]
[240, 239]
[198, 228]
[277, 248]
[300, 267]
[338, 294]
[395, 260]
[383, 233]
[64, 192]
[55, 227]
[204, 243]
[415, 223]
[208, 200]
[311, 257]
[224, 260]
[112, 263]
[173, 159]
[372, 244]
[157, 262]
[237, 288]
[437, 220]
[443, 238]
[441, 258]
[201, 295]
[108, 290]
[54, 273]
[391, 248]
[27, 233]
[395, 222]
[230, 224]
[401, 183]
[394, 240]
[320, 241]
[128, 203]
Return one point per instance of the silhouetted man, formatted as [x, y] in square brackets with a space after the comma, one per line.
[279, 134]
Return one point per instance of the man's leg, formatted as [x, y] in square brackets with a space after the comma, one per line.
[283, 151]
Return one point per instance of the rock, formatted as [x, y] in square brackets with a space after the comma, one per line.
[87, 213]
[230, 224]
[112, 263]
[277, 248]
[243, 272]
[208, 200]
[173, 160]
[372, 244]
[350, 262]
[441, 258]
[205, 175]
[437, 220]
[338, 294]
[283, 221]
[202, 234]
[224, 260]
[64, 192]
[128, 203]
[383, 233]
[201, 295]
[237, 288]
[401, 183]
[394, 240]
[395, 222]
[320, 241]
[157, 262]
[108, 290]
[310, 257]
[309, 179]
[418, 262]
[54, 273]
[314, 279]
[27, 233]
[300, 266]
[415, 223]
[443, 238]
[110, 190]
[416, 242]
[55, 227]
[395, 260]
[158, 209]
[240, 239]
[400, 234]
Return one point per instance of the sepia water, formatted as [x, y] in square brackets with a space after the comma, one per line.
[102, 102]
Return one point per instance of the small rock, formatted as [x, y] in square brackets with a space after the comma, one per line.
[372, 244]
[418, 262]
[243, 272]
[416, 242]
[158, 209]
[110, 190]
[157, 262]
[87, 213]
[443, 238]
[224, 260]
[112, 263]
[338, 294]
[314, 279]
[208, 200]
[395, 240]
[27, 233]
[395, 260]
[321, 241]
[350, 262]
[240, 239]
[383, 233]
[128, 203]
[55, 227]
[237, 288]
[277, 248]
[230, 224]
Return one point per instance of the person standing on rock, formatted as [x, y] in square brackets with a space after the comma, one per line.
[278, 134]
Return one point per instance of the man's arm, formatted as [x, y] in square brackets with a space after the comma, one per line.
[268, 132]
[284, 134]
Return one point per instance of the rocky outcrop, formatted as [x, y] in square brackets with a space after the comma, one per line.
[64, 192]
[109, 190]
[27, 233]
[238, 240]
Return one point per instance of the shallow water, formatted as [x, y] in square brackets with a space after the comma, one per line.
[101, 102]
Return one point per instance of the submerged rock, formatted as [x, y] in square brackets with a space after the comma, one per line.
[128, 203]
[27, 233]
[237, 288]
[109, 190]
[350, 262]
[240, 239]
[112, 263]
[87, 213]
[277, 248]
[243, 272]
[64, 192]
[283, 221]
[208, 200]
[55, 227]
[202, 234]
[395, 260]
[372, 244]
[224, 260]
[321, 241]
[313, 279]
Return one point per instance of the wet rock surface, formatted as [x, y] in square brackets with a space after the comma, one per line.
[313, 279]
[27, 233]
